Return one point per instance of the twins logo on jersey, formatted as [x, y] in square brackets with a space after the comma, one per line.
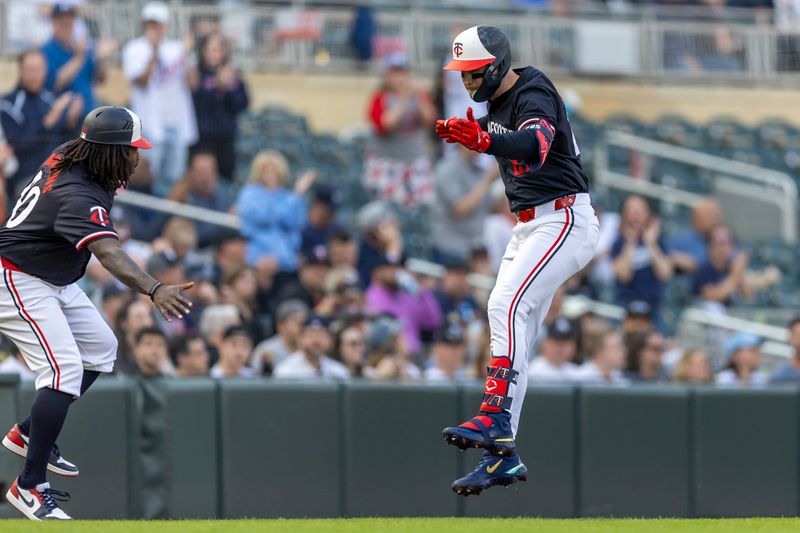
[99, 215]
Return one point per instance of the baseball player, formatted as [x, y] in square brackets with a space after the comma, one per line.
[528, 132]
[59, 221]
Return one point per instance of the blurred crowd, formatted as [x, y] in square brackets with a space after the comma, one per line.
[298, 292]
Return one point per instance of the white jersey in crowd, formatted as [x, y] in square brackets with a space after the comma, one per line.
[589, 374]
[296, 366]
[166, 100]
[244, 372]
[541, 370]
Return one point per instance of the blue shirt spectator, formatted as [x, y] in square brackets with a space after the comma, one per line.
[321, 225]
[722, 276]
[641, 266]
[73, 64]
[454, 295]
[219, 96]
[34, 120]
[273, 216]
[689, 249]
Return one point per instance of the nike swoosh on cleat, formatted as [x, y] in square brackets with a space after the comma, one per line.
[491, 469]
[28, 503]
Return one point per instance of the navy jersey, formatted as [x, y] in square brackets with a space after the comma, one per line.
[533, 99]
[57, 215]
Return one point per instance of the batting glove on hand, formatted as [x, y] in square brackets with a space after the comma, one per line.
[468, 133]
[443, 127]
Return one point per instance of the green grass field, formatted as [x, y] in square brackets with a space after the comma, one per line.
[415, 525]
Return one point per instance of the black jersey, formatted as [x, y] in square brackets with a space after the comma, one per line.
[532, 99]
[57, 215]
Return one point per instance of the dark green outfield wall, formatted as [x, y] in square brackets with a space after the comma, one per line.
[198, 448]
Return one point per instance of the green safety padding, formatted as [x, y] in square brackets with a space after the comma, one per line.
[280, 449]
[395, 460]
[191, 448]
[634, 451]
[97, 437]
[745, 452]
[546, 443]
[10, 464]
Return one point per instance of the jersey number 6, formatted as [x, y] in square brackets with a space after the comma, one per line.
[26, 203]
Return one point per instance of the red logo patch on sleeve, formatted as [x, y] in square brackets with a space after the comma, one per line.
[99, 215]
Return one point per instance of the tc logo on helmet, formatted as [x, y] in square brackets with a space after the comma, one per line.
[458, 49]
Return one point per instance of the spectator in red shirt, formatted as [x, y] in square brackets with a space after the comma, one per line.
[398, 167]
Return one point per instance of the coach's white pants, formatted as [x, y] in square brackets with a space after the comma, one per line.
[57, 329]
[541, 256]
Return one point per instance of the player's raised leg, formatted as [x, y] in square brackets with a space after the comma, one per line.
[551, 250]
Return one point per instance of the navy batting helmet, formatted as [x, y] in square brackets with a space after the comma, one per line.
[479, 46]
[114, 125]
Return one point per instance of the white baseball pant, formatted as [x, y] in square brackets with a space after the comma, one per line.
[57, 329]
[542, 254]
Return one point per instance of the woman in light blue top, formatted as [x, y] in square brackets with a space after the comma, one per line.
[273, 216]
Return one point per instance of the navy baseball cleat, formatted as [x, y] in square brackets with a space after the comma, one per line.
[17, 442]
[492, 432]
[39, 503]
[492, 470]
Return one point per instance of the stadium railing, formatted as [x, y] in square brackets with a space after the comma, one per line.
[650, 43]
[756, 193]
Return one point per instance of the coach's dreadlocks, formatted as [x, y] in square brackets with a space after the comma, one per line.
[108, 164]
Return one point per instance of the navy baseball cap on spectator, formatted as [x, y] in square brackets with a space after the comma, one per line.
[737, 341]
[328, 195]
[451, 333]
[316, 256]
[561, 330]
[236, 330]
[456, 265]
[383, 260]
[316, 321]
[639, 308]
[63, 8]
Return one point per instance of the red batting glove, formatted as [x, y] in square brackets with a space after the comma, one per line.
[443, 127]
[469, 133]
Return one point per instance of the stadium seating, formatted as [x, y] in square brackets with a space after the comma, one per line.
[774, 144]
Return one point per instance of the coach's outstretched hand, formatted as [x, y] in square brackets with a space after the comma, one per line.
[169, 300]
[467, 132]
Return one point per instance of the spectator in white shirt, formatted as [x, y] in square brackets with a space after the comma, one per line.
[743, 356]
[311, 361]
[608, 357]
[289, 317]
[448, 355]
[234, 351]
[158, 69]
[557, 351]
